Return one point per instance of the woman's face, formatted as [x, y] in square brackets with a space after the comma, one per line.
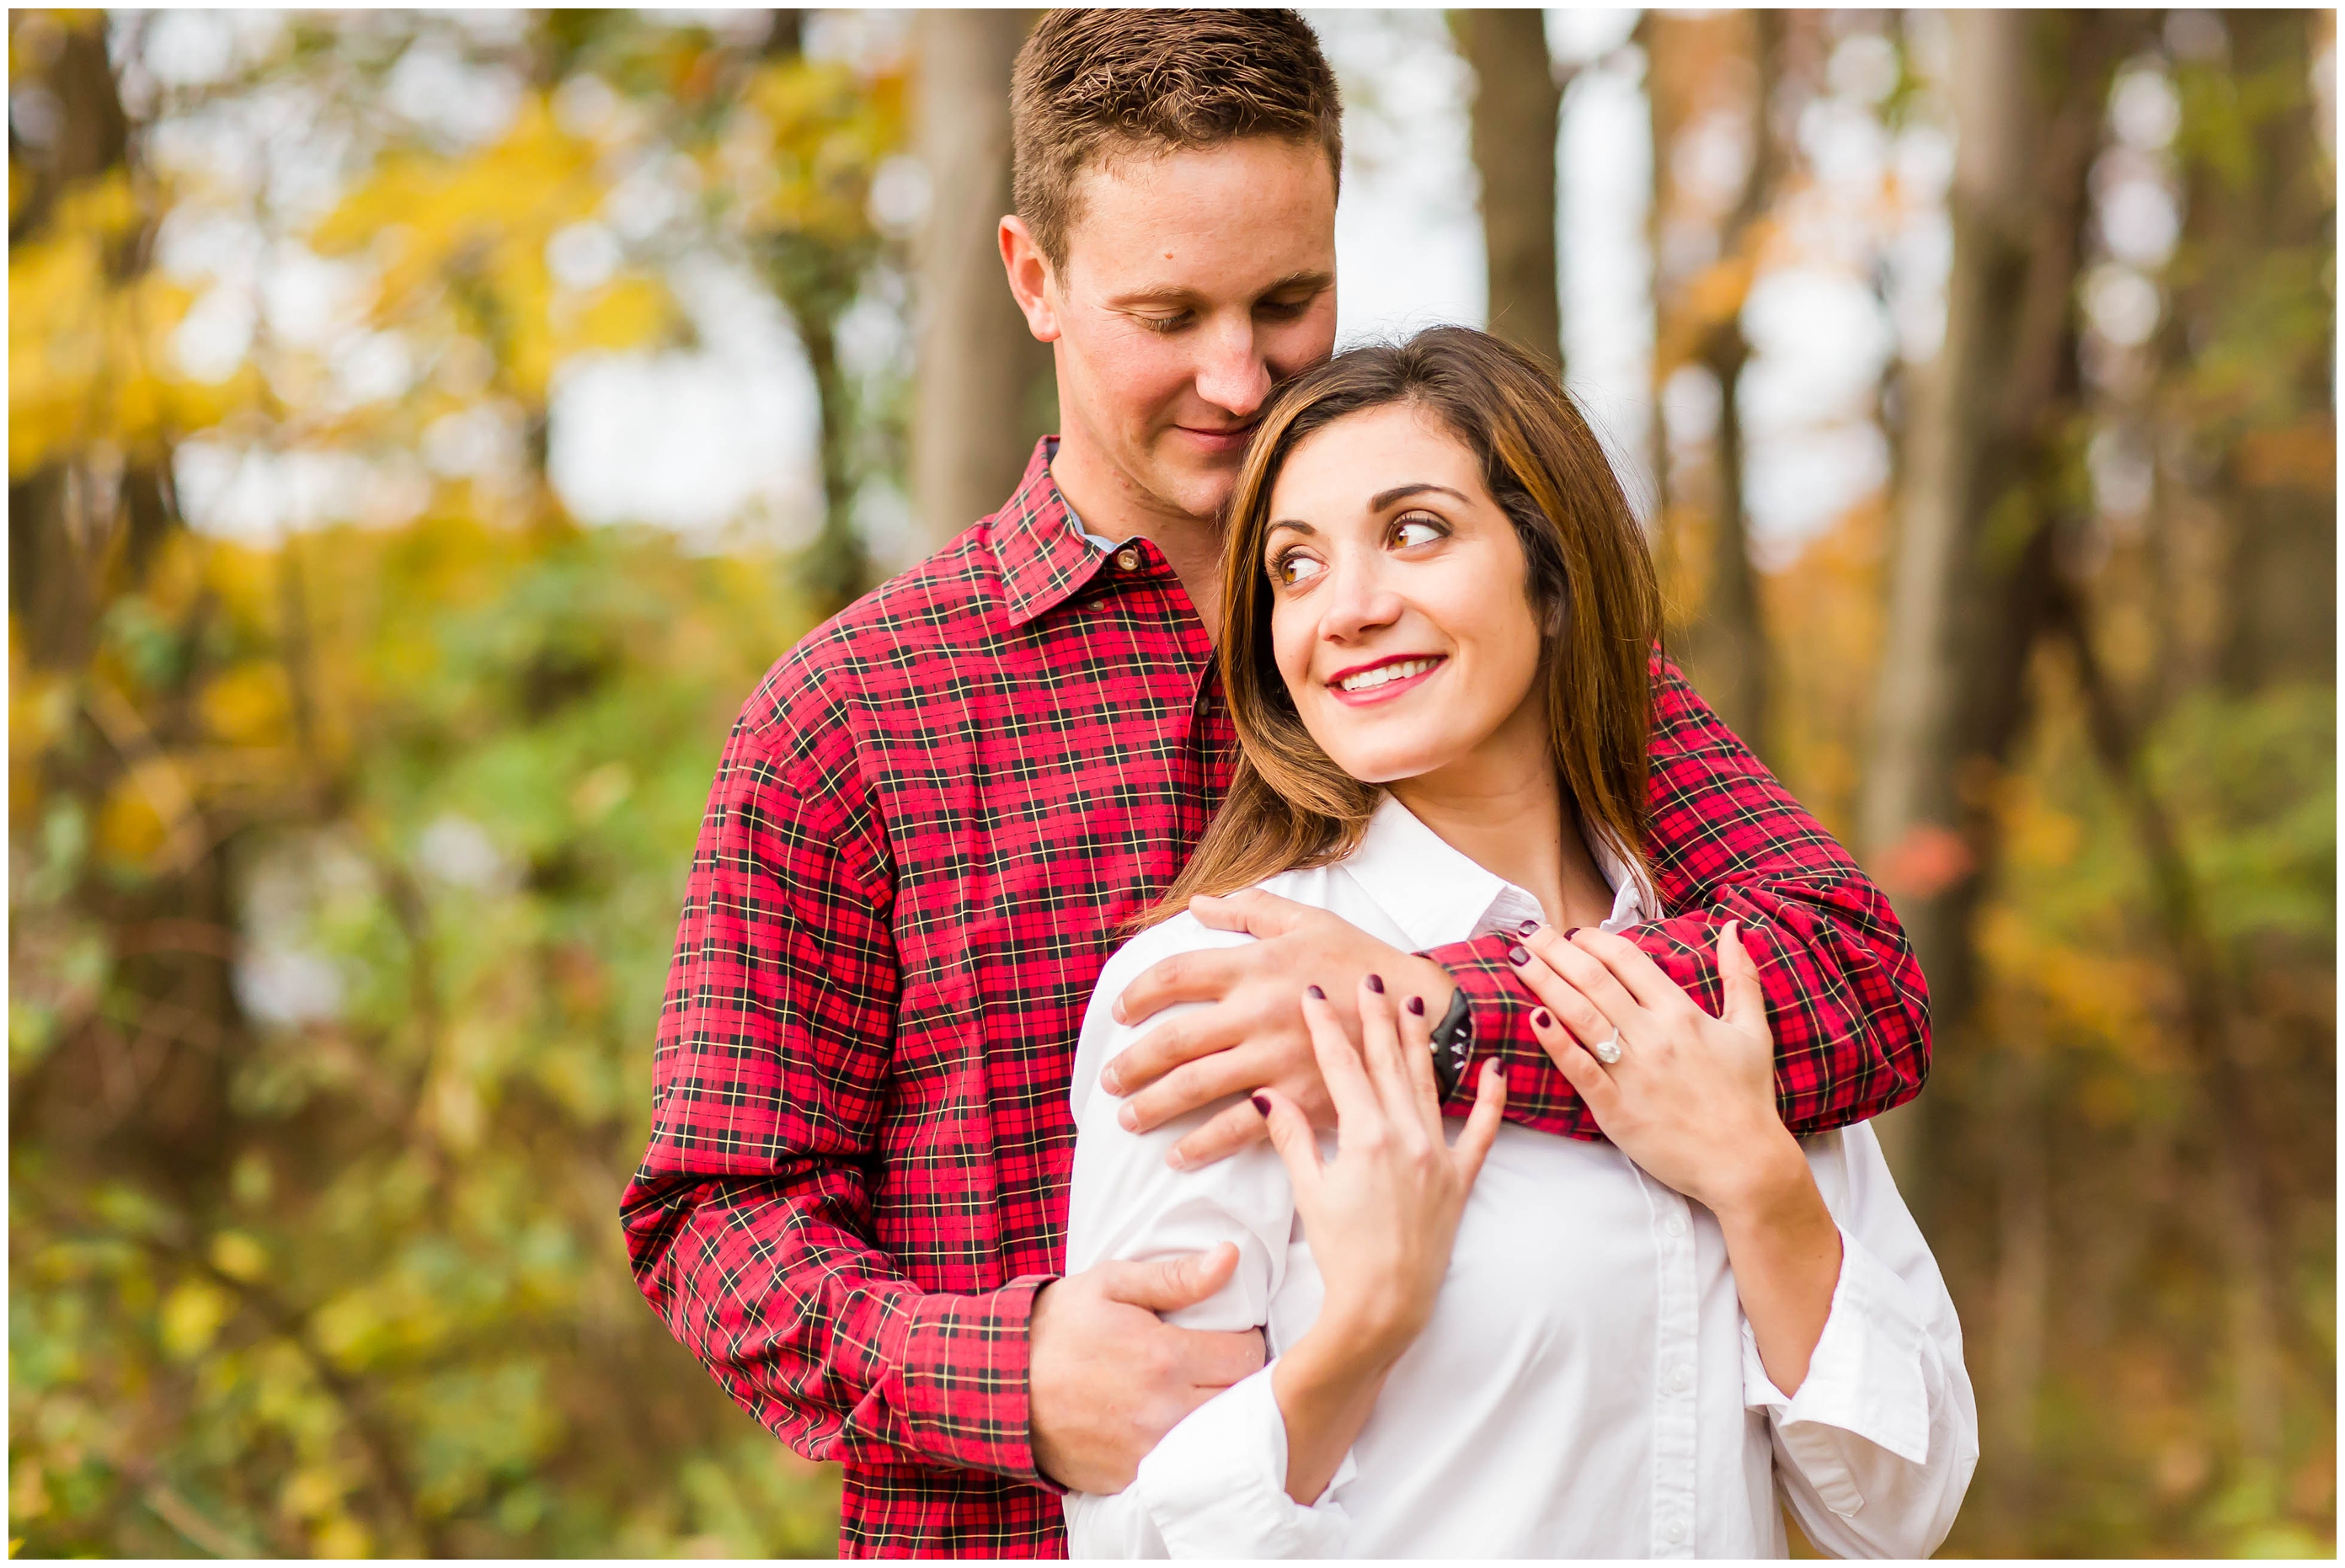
[1401, 617]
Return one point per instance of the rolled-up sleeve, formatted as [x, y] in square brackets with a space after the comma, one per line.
[1875, 1451]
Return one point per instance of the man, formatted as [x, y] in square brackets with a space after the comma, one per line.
[936, 812]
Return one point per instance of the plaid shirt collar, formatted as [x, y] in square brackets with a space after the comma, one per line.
[1039, 544]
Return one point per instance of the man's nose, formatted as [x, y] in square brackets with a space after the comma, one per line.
[1234, 376]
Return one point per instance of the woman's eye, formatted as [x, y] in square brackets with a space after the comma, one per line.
[1415, 531]
[1288, 570]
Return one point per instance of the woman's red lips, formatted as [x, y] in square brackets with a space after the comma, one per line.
[1406, 671]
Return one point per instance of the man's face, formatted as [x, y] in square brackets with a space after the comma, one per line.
[1195, 282]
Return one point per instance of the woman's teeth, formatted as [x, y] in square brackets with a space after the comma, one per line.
[1384, 674]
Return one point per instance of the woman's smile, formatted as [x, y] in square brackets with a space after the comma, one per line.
[1393, 571]
[1382, 679]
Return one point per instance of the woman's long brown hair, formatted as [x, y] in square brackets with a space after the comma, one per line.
[1590, 582]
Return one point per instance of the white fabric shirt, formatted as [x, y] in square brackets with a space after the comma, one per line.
[1587, 1385]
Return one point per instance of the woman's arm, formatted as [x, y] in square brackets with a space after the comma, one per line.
[1876, 1449]
[1852, 1349]
[1381, 1220]
[1690, 1099]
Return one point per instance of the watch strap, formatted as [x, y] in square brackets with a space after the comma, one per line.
[1452, 1043]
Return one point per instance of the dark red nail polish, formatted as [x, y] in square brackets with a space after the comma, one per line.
[1518, 954]
[1377, 984]
[1528, 926]
[1573, 932]
[1542, 1019]
[1416, 1006]
[1261, 1104]
[1315, 993]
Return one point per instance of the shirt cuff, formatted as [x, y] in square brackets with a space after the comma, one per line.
[1865, 1377]
[964, 1380]
[1501, 1008]
[1216, 1485]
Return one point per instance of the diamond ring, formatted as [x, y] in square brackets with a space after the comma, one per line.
[1608, 1051]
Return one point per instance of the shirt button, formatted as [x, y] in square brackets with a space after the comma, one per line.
[1676, 1532]
[1674, 1226]
[1128, 559]
[1679, 1379]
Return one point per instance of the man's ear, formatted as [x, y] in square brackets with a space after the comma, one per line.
[1030, 278]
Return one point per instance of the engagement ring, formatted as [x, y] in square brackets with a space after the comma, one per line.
[1608, 1051]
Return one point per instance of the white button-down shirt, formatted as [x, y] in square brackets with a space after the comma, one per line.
[1587, 1385]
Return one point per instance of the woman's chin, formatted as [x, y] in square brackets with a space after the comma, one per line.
[1387, 768]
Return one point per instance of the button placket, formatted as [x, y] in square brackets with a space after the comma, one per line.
[1676, 1451]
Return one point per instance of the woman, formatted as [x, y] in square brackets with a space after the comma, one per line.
[1436, 612]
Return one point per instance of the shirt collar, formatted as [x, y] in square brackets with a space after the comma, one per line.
[1039, 544]
[1438, 895]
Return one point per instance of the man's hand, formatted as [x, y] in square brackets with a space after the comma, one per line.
[1107, 1378]
[1252, 1035]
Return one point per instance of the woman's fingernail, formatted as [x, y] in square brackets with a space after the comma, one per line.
[1416, 1006]
[1315, 993]
[1261, 1104]
[1377, 984]
[1129, 1117]
[1527, 926]
[1518, 954]
[1573, 932]
[1541, 1018]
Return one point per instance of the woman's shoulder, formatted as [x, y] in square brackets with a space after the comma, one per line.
[1184, 933]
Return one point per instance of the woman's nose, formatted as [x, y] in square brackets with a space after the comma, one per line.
[1359, 600]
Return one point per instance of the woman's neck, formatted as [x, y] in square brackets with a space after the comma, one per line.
[1508, 814]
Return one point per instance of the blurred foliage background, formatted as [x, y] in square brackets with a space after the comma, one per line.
[355, 762]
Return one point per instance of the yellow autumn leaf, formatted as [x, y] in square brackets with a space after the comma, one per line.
[191, 1318]
[238, 1256]
[129, 830]
[625, 314]
[248, 704]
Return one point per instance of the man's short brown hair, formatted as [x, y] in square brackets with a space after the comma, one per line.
[1093, 84]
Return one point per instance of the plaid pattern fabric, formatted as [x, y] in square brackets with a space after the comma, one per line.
[1845, 996]
[929, 823]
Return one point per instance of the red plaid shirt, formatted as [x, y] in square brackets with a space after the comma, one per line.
[929, 823]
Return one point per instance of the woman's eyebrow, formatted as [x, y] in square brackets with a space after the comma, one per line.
[1384, 497]
[1288, 522]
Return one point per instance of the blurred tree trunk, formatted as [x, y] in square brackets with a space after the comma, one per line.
[1968, 584]
[2248, 360]
[2260, 226]
[1985, 500]
[1697, 63]
[984, 382]
[64, 516]
[82, 529]
[817, 282]
[1516, 103]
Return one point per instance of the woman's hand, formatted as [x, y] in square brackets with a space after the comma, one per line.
[1381, 1217]
[1692, 1099]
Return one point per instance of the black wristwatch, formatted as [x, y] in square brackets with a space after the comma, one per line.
[1453, 1042]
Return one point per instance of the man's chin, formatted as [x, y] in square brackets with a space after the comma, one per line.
[1197, 485]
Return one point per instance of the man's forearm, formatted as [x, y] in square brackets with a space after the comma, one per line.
[820, 1336]
[1851, 1022]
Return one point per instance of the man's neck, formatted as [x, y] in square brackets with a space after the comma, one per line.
[1113, 507]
